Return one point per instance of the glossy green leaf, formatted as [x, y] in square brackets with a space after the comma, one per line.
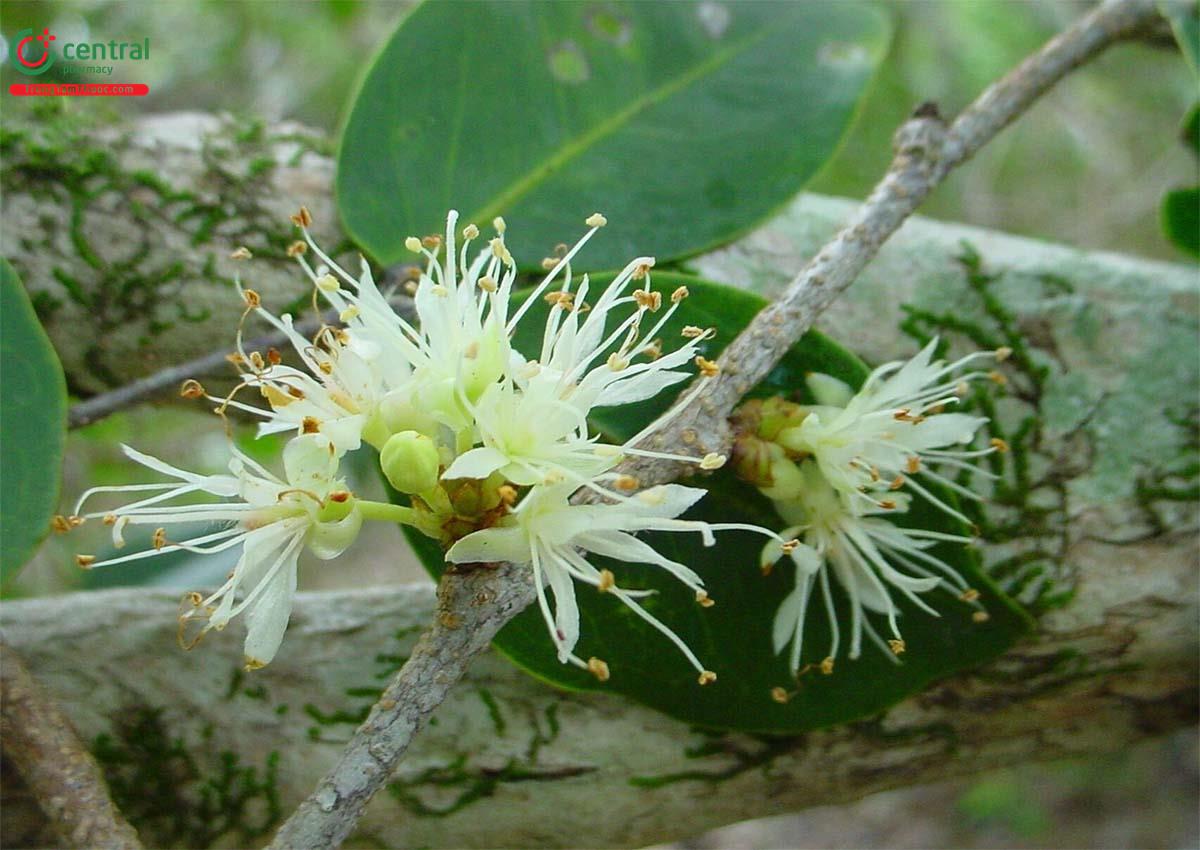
[1190, 132]
[1185, 24]
[734, 637]
[650, 112]
[1181, 219]
[33, 425]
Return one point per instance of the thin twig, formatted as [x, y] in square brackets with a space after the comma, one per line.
[926, 151]
[98, 407]
[60, 773]
[472, 606]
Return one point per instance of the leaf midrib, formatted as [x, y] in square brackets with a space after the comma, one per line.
[577, 146]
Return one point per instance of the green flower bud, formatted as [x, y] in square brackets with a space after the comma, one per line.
[786, 479]
[776, 414]
[410, 462]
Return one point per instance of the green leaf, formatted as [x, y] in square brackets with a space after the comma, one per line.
[1190, 132]
[1181, 219]
[33, 425]
[1185, 24]
[733, 638]
[683, 123]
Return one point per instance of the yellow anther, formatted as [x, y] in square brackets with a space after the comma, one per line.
[487, 284]
[998, 444]
[626, 482]
[679, 294]
[310, 425]
[997, 378]
[969, 595]
[647, 300]
[595, 666]
[251, 298]
[706, 676]
[60, 524]
[691, 332]
[1003, 353]
[704, 600]
[470, 232]
[160, 538]
[413, 244]
[827, 666]
[85, 561]
[708, 368]
[327, 283]
[606, 582]
[595, 220]
[242, 253]
[297, 249]
[432, 242]
[896, 646]
[303, 218]
[981, 616]
[790, 546]
[191, 388]
[499, 224]
[712, 460]
[616, 362]
[348, 314]
[913, 465]
[780, 695]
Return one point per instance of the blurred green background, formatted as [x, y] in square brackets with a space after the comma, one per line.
[1087, 166]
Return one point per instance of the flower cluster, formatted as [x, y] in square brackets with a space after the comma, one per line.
[835, 468]
[487, 444]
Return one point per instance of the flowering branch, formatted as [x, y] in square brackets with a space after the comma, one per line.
[472, 606]
[61, 774]
[926, 151]
[100, 406]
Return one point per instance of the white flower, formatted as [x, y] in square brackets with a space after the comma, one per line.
[340, 396]
[533, 424]
[270, 518]
[869, 557]
[552, 535]
[875, 441]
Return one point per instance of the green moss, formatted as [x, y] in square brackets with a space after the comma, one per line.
[54, 157]
[170, 799]
[764, 750]
[1030, 501]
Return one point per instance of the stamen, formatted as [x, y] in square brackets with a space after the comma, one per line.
[780, 695]
[242, 253]
[595, 666]
[297, 249]
[606, 582]
[712, 460]
[679, 294]
[706, 676]
[896, 646]
[303, 218]
[595, 220]
[708, 368]
[704, 600]
[85, 561]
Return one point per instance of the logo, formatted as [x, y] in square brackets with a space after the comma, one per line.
[32, 54]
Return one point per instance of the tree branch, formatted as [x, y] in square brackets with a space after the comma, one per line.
[925, 153]
[62, 775]
[472, 606]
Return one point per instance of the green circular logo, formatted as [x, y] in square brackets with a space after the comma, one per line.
[31, 54]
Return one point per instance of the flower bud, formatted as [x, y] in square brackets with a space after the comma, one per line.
[751, 460]
[786, 480]
[776, 414]
[410, 462]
